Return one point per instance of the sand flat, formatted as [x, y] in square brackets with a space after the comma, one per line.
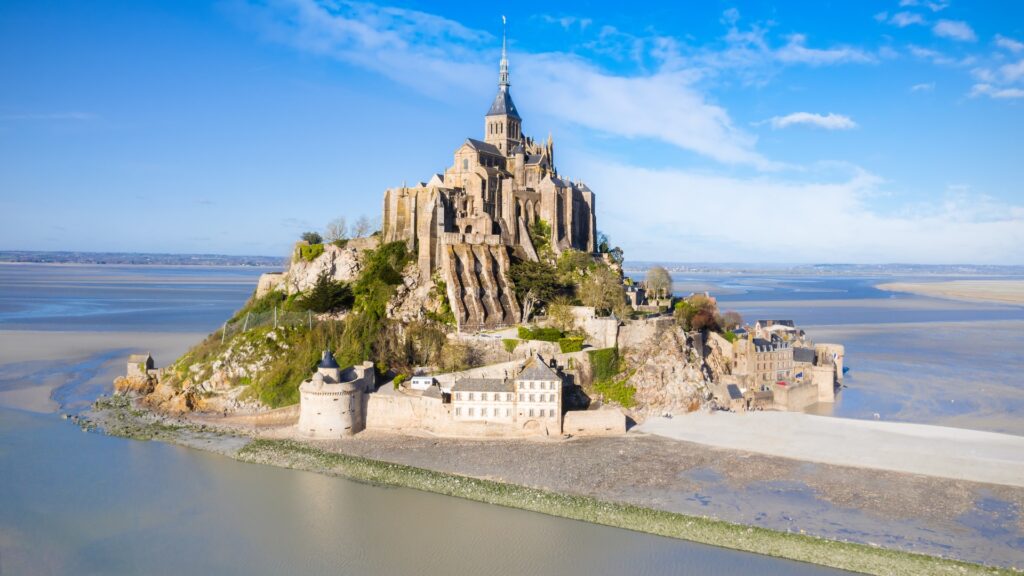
[913, 448]
[1002, 291]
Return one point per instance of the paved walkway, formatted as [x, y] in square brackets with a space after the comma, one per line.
[915, 448]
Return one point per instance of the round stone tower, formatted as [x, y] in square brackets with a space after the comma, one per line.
[328, 407]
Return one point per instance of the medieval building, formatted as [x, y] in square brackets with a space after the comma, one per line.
[467, 223]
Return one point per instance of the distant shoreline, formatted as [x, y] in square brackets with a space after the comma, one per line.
[138, 264]
[136, 259]
[996, 291]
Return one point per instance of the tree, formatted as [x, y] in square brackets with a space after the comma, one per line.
[560, 313]
[687, 310]
[362, 227]
[573, 265]
[603, 244]
[312, 237]
[337, 229]
[327, 295]
[535, 283]
[731, 320]
[603, 290]
[659, 282]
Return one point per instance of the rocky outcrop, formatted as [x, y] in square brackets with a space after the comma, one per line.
[667, 375]
[340, 264]
[135, 385]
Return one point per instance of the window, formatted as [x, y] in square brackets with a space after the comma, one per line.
[470, 411]
[507, 412]
[465, 163]
[483, 412]
[531, 412]
[483, 396]
[458, 395]
[458, 411]
[470, 399]
[532, 399]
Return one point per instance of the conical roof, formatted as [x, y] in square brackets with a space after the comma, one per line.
[328, 360]
[503, 105]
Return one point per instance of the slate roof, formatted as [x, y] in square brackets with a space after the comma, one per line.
[483, 147]
[503, 104]
[328, 360]
[801, 354]
[139, 358]
[537, 369]
[482, 385]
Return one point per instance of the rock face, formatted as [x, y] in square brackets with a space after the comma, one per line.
[340, 264]
[135, 384]
[667, 375]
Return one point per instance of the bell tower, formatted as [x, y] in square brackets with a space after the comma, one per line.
[502, 125]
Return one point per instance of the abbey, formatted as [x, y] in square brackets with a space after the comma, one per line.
[467, 223]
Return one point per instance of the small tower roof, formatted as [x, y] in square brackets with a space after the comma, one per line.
[328, 360]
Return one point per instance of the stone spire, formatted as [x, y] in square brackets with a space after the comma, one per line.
[503, 74]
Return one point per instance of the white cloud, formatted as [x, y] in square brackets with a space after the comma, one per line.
[1009, 44]
[954, 29]
[827, 121]
[1012, 72]
[904, 19]
[996, 92]
[924, 87]
[934, 6]
[824, 220]
[796, 51]
[665, 105]
[939, 58]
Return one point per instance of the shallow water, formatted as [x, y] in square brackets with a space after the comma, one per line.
[82, 503]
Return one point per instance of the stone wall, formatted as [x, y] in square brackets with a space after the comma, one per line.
[601, 332]
[795, 397]
[607, 421]
[478, 290]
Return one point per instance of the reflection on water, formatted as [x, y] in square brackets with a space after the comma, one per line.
[75, 503]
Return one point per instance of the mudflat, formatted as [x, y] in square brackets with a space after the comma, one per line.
[1003, 291]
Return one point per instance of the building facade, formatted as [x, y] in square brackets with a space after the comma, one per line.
[331, 402]
[532, 399]
[468, 221]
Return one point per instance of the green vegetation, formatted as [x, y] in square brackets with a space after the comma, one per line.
[544, 334]
[658, 282]
[312, 238]
[729, 335]
[535, 283]
[606, 368]
[366, 332]
[602, 289]
[327, 295]
[439, 292]
[399, 379]
[800, 547]
[510, 344]
[310, 252]
[540, 236]
[570, 344]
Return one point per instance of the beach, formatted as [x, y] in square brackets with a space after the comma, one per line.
[1000, 291]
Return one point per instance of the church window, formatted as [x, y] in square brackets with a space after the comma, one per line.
[465, 163]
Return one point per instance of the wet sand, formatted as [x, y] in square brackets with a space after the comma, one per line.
[1001, 291]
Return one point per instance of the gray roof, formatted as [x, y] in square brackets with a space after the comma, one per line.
[537, 369]
[801, 354]
[518, 149]
[482, 385]
[534, 159]
[503, 104]
[136, 358]
[777, 323]
[484, 147]
[734, 392]
[432, 392]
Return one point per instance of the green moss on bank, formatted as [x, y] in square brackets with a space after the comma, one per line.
[843, 555]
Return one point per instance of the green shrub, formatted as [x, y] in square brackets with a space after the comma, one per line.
[543, 334]
[617, 391]
[729, 335]
[327, 295]
[340, 242]
[510, 344]
[399, 379]
[604, 363]
[310, 252]
[570, 344]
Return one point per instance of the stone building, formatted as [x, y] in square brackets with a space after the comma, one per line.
[331, 403]
[468, 222]
[140, 364]
[532, 400]
[763, 361]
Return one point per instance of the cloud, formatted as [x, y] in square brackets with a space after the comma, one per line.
[904, 19]
[996, 92]
[796, 51]
[924, 87]
[843, 226]
[954, 29]
[1009, 44]
[827, 121]
[933, 6]
[665, 105]
[567, 22]
[938, 58]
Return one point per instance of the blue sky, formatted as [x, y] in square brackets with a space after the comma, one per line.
[710, 131]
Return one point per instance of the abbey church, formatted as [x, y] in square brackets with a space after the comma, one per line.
[469, 222]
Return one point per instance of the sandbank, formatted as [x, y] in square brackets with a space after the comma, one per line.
[1001, 291]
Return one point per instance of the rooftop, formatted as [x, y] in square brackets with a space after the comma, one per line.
[482, 385]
